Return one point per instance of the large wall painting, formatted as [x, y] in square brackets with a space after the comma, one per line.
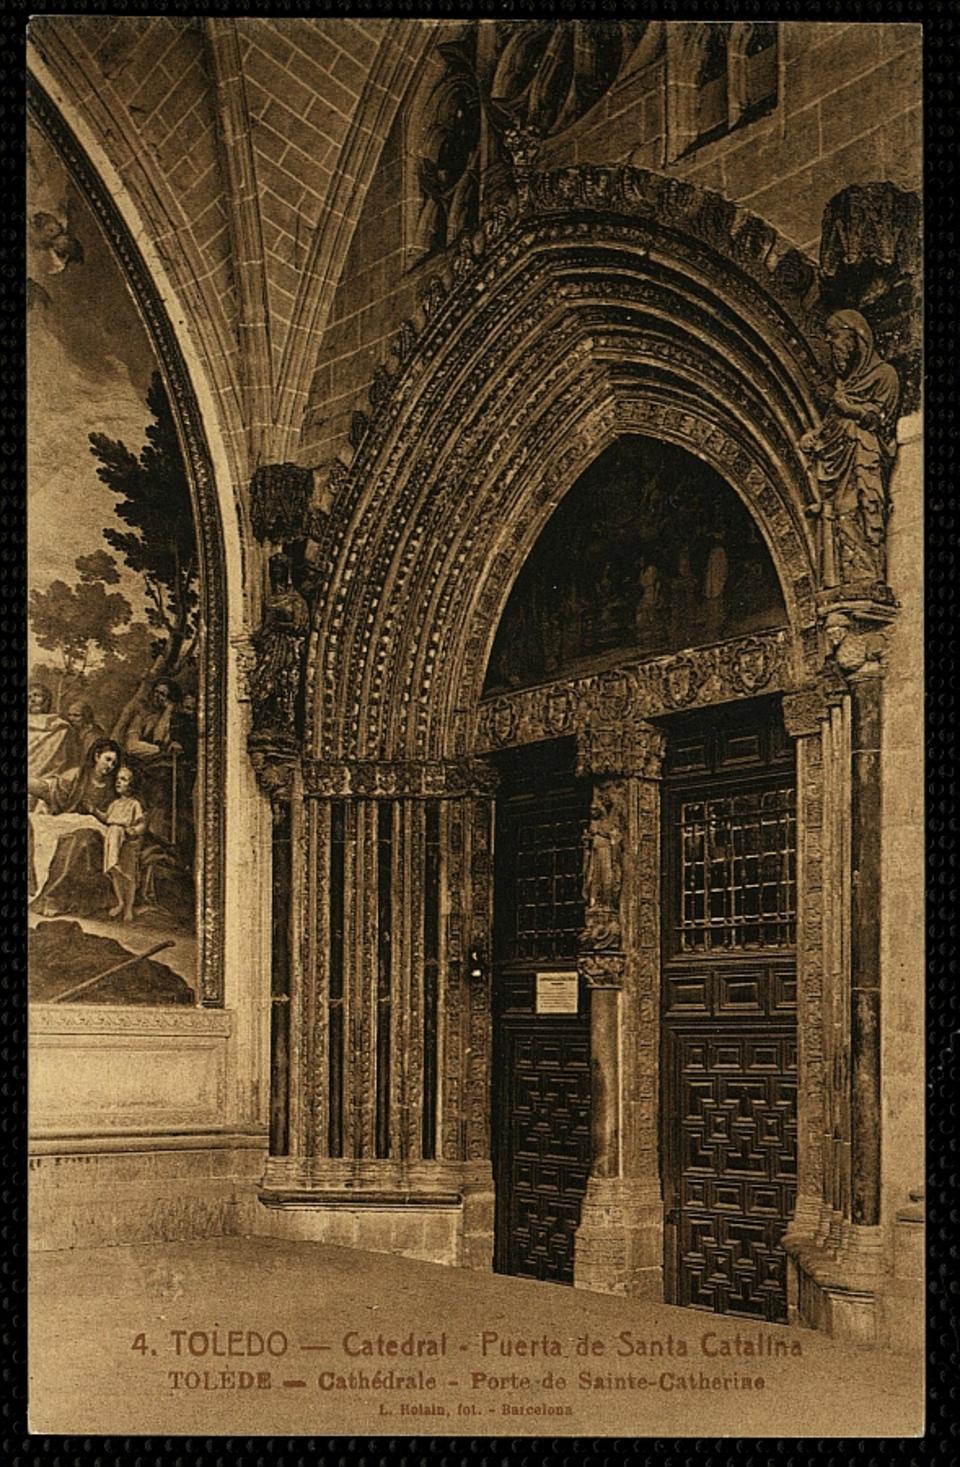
[113, 613]
[650, 552]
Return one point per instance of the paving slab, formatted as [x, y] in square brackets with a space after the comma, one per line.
[262, 1337]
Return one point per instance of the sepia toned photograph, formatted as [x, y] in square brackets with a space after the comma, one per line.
[475, 769]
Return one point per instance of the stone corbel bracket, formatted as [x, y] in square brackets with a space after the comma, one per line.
[275, 761]
[854, 630]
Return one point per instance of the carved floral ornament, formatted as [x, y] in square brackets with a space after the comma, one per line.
[613, 735]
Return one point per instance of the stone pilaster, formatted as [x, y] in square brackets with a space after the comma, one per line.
[619, 1245]
[834, 1240]
[804, 714]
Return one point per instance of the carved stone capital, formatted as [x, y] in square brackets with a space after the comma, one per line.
[602, 970]
[391, 779]
[608, 748]
[803, 710]
[274, 759]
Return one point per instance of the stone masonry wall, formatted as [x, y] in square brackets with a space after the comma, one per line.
[848, 112]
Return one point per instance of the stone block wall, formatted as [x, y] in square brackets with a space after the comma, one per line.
[376, 292]
[902, 919]
[434, 1234]
[98, 1199]
[849, 111]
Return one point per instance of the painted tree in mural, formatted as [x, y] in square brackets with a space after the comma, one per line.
[81, 622]
[159, 543]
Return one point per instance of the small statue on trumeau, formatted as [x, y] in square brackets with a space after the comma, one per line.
[275, 681]
[602, 873]
[852, 453]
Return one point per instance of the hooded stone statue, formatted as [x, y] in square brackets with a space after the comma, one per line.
[852, 452]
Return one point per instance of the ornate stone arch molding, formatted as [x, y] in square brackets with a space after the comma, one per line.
[689, 426]
[210, 538]
[604, 301]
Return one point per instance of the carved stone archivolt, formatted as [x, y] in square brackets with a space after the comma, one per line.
[604, 707]
[446, 517]
[540, 360]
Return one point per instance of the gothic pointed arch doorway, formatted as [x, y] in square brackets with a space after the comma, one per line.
[597, 307]
[670, 604]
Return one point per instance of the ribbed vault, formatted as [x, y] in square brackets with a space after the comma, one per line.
[246, 148]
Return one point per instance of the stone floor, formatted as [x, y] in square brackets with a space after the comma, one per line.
[258, 1337]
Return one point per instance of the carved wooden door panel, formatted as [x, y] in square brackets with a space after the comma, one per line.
[729, 1082]
[734, 1168]
[541, 1059]
[546, 1147]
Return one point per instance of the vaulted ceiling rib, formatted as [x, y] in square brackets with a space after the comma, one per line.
[248, 146]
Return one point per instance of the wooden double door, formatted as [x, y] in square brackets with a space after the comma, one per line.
[728, 1012]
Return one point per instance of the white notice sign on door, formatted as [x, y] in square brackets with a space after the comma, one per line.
[557, 993]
